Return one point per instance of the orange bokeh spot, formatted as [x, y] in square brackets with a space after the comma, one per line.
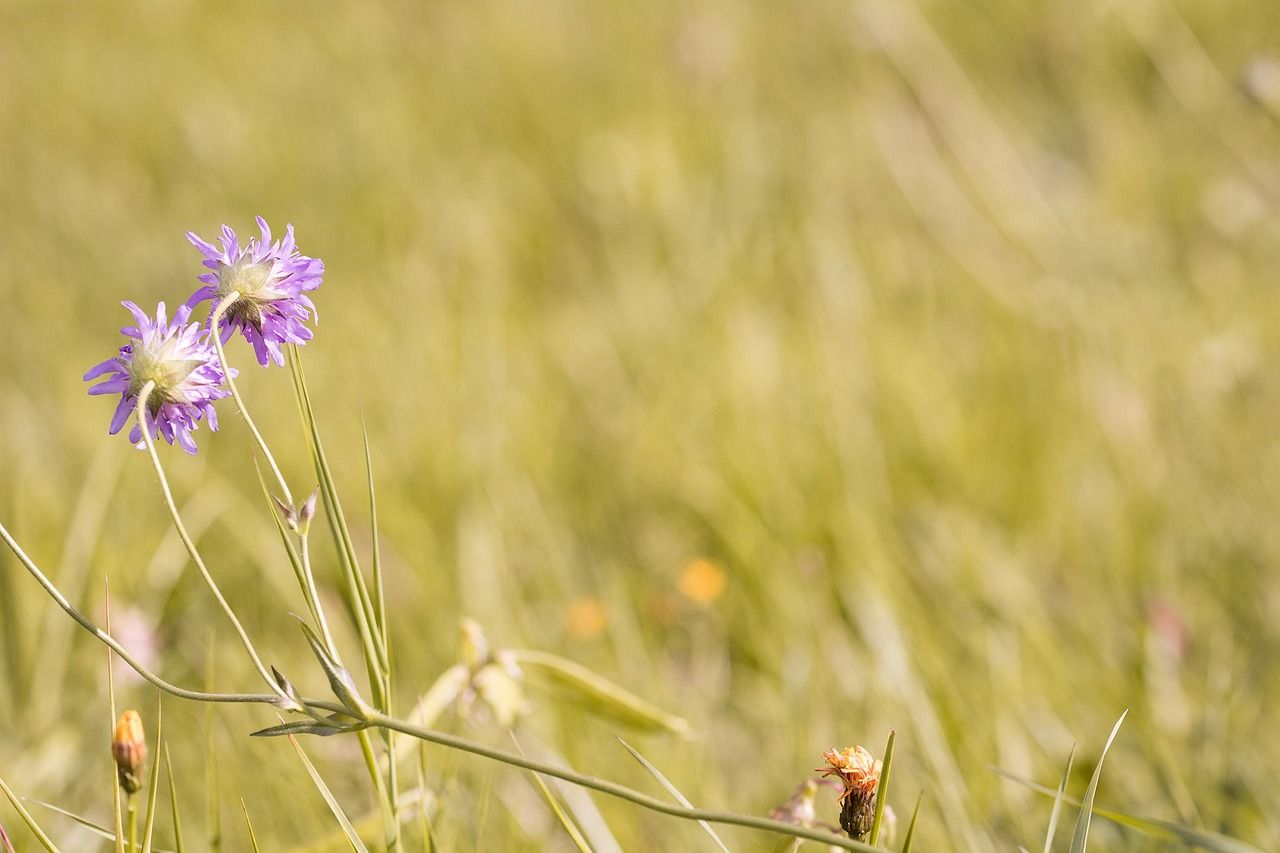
[702, 581]
[585, 618]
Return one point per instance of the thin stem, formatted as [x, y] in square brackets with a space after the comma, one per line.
[113, 644]
[132, 809]
[313, 598]
[440, 738]
[111, 696]
[613, 789]
[190, 544]
[214, 319]
[390, 817]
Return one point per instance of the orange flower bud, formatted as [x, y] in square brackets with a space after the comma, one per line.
[129, 748]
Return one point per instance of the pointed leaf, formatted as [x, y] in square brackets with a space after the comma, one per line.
[1164, 830]
[253, 838]
[310, 727]
[600, 694]
[911, 827]
[672, 790]
[149, 824]
[1080, 838]
[352, 836]
[340, 680]
[882, 789]
[173, 802]
[1057, 803]
[27, 818]
[95, 828]
[379, 593]
[575, 834]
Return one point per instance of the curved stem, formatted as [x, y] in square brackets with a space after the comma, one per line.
[214, 318]
[613, 789]
[145, 426]
[450, 741]
[113, 644]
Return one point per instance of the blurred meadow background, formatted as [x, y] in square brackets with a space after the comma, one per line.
[811, 369]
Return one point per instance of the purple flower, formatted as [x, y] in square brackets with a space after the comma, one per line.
[179, 357]
[273, 280]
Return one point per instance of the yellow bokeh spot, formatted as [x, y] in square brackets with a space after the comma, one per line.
[702, 581]
[585, 619]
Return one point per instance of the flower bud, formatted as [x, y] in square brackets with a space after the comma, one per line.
[129, 748]
[307, 512]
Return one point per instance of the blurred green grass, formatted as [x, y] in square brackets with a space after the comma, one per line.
[948, 330]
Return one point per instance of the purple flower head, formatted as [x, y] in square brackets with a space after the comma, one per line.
[273, 280]
[180, 359]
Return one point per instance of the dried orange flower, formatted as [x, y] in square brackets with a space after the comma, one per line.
[860, 775]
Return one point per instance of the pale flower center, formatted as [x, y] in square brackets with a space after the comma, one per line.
[253, 283]
[159, 366]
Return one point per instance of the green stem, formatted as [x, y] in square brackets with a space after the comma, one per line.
[145, 427]
[214, 318]
[613, 789]
[390, 818]
[113, 644]
[313, 599]
[132, 809]
[450, 741]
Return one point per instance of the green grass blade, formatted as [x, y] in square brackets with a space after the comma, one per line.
[357, 592]
[672, 790]
[424, 819]
[379, 591]
[882, 789]
[173, 802]
[1164, 830]
[1057, 802]
[213, 803]
[570, 827]
[95, 828]
[911, 827]
[27, 818]
[253, 837]
[352, 835]
[1080, 838]
[149, 825]
[111, 723]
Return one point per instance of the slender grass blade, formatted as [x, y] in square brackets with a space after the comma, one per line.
[1164, 830]
[1080, 838]
[911, 827]
[1057, 803]
[93, 827]
[882, 789]
[672, 790]
[253, 837]
[352, 835]
[173, 802]
[575, 834]
[27, 818]
[149, 825]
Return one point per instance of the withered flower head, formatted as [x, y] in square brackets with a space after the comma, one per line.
[860, 775]
[129, 748]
